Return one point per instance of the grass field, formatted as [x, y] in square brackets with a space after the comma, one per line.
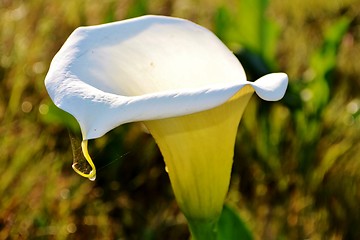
[296, 171]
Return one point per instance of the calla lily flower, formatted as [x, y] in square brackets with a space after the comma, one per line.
[178, 79]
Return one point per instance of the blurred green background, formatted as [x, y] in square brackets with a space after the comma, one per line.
[297, 162]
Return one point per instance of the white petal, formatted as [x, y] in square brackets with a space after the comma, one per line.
[147, 54]
[271, 87]
[143, 69]
[98, 112]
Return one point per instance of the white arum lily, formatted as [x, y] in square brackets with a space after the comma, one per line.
[175, 76]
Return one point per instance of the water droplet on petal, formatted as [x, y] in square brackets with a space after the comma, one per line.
[93, 177]
[166, 169]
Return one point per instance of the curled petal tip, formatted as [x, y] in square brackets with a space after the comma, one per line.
[271, 87]
[78, 166]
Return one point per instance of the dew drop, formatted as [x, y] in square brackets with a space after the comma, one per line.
[166, 169]
[92, 178]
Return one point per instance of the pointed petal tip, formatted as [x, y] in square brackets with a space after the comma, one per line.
[271, 87]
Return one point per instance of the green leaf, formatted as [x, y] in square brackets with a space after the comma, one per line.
[232, 227]
[55, 115]
[324, 60]
[247, 24]
[138, 8]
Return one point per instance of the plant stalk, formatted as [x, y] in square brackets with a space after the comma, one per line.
[203, 229]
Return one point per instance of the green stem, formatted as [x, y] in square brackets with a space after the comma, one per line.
[203, 229]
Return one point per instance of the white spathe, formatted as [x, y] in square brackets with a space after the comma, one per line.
[146, 68]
